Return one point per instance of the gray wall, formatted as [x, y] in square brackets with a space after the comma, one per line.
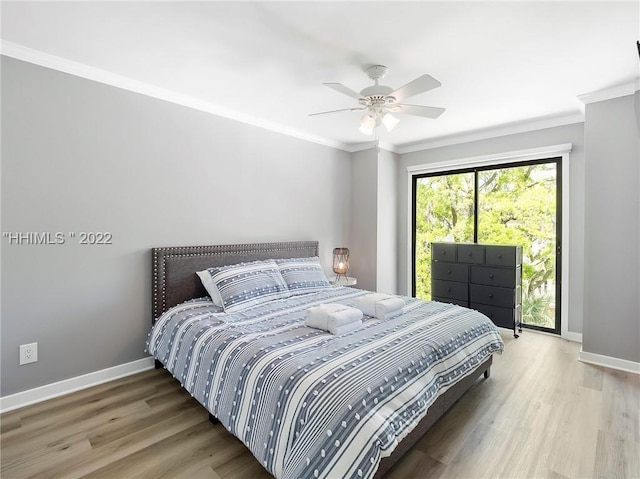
[364, 218]
[82, 156]
[612, 242]
[387, 204]
[573, 134]
[374, 220]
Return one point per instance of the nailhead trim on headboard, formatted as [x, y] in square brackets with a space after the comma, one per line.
[161, 280]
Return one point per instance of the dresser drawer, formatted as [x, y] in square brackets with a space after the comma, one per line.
[503, 317]
[459, 302]
[450, 271]
[503, 255]
[505, 277]
[494, 295]
[443, 252]
[471, 253]
[449, 289]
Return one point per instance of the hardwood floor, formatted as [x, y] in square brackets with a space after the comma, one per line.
[541, 414]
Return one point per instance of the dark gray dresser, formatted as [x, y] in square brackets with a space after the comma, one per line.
[487, 278]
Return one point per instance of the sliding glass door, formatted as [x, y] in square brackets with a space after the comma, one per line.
[516, 203]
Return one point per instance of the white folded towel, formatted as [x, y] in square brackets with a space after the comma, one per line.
[380, 305]
[367, 303]
[345, 328]
[389, 307]
[334, 318]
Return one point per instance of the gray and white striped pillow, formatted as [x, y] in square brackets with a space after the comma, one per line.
[303, 275]
[244, 285]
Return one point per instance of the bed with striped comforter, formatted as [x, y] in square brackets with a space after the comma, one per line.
[310, 404]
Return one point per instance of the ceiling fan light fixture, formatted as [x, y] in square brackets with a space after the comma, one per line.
[390, 121]
[369, 120]
[368, 123]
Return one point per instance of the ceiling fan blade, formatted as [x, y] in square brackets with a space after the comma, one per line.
[415, 87]
[336, 111]
[417, 110]
[339, 87]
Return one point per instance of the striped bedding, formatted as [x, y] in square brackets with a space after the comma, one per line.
[310, 404]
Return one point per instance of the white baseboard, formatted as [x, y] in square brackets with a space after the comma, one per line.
[609, 362]
[567, 335]
[60, 388]
[571, 336]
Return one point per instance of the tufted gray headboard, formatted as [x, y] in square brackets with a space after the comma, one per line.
[174, 268]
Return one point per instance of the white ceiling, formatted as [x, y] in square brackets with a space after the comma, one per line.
[501, 64]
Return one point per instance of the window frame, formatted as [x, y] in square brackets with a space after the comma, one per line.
[461, 165]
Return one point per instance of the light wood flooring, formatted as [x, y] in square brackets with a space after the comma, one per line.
[541, 414]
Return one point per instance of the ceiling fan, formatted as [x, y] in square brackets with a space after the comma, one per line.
[380, 101]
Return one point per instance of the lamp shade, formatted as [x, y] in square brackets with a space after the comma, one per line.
[369, 122]
[390, 121]
[341, 261]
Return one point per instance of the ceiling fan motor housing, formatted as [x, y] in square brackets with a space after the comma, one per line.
[377, 101]
[376, 93]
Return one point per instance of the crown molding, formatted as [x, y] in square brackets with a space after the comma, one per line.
[489, 133]
[53, 62]
[610, 93]
[46, 60]
[371, 144]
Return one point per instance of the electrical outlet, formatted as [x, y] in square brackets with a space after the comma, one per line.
[28, 353]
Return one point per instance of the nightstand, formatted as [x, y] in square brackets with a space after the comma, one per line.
[342, 281]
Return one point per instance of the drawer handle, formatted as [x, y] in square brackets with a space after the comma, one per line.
[491, 295]
[490, 276]
[499, 256]
[448, 290]
[449, 271]
[469, 253]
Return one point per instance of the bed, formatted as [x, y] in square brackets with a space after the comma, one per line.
[305, 402]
